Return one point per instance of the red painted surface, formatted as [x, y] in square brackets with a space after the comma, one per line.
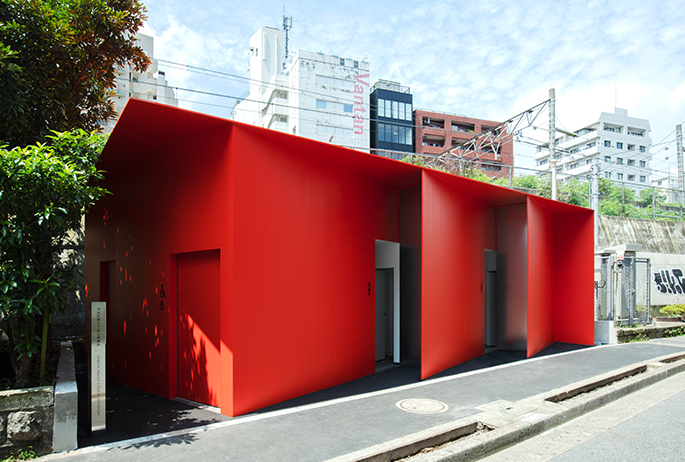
[574, 302]
[560, 268]
[304, 240]
[542, 264]
[294, 222]
[199, 329]
[457, 228]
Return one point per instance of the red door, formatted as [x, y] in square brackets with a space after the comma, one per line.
[199, 357]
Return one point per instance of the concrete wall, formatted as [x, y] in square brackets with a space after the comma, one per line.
[655, 236]
[663, 243]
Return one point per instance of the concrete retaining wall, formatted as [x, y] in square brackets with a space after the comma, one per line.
[656, 236]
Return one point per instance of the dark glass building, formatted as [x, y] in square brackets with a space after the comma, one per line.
[391, 119]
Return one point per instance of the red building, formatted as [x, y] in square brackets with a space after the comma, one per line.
[435, 132]
[243, 267]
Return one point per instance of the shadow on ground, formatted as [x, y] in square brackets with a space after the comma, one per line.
[132, 413]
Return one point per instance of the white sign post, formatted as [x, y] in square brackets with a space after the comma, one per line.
[98, 342]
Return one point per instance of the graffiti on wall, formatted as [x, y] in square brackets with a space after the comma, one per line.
[670, 281]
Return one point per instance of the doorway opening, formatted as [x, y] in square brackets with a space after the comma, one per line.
[490, 297]
[387, 345]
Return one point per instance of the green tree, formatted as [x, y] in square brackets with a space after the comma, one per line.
[574, 191]
[58, 59]
[44, 192]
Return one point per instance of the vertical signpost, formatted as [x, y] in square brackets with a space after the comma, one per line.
[98, 342]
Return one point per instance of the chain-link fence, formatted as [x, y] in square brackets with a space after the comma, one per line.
[622, 289]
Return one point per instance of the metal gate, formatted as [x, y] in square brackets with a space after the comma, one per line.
[622, 289]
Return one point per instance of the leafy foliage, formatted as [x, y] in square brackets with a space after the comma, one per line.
[673, 310]
[57, 63]
[44, 192]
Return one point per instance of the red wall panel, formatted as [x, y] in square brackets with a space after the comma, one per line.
[164, 204]
[456, 227]
[541, 270]
[304, 256]
[574, 277]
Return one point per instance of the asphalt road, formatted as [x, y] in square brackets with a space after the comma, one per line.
[644, 426]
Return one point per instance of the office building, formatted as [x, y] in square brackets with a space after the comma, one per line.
[391, 119]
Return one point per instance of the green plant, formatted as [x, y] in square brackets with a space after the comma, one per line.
[673, 310]
[45, 190]
[22, 454]
[674, 331]
[641, 337]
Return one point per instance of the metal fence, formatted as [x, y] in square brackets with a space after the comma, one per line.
[622, 289]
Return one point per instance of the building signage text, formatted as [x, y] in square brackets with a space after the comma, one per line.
[359, 110]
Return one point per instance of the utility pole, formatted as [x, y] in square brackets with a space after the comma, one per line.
[679, 157]
[552, 141]
[595, 196]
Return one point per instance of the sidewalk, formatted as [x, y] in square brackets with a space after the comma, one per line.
[351, 422]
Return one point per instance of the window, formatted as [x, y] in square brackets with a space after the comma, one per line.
[320, 104]
[643, 163]
[607, 158]
[543, 161]
[619, 145]
[388, 108]
[342, 61]
[588, 161]
[631, 147]
[631, 162]
[607, 175]
[401, 114]
[381, 107]
[619, 160]
[395, 110]
[619, 176]
[631, 177]
[643, 179]
[643, 148]
[607, 143]
[347, 108]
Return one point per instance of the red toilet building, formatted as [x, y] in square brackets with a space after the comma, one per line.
[243, 267]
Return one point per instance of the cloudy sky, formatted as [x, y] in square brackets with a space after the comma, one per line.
[485, 59]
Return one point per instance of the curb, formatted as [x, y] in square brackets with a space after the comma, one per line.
[503, 423]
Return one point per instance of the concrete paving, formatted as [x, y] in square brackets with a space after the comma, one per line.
[363, 421]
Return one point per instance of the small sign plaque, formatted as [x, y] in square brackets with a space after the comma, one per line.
[98, 342]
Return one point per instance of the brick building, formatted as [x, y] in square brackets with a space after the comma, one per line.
[435, 132]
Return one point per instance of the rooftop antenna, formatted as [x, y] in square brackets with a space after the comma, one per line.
[287, 25]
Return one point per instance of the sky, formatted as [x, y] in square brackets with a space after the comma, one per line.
[485, 59]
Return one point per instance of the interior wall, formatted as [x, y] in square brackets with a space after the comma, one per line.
[457, 228]
[304, 232]
[512, 279]
[542, 266]
[410, 278]
[388, 256]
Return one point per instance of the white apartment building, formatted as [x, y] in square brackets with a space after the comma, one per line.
[314, 95]
[621, 143]
[149, 85]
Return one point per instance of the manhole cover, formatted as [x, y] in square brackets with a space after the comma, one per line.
[422, 406]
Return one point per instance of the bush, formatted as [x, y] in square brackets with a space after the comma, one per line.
[45, 190]
[673, 310]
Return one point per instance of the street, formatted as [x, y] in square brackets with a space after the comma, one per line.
[644, 426]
